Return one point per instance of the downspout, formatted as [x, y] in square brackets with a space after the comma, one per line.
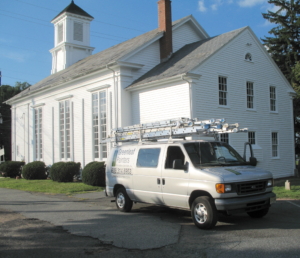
[190, 95]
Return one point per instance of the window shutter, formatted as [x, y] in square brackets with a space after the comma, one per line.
[78, 31]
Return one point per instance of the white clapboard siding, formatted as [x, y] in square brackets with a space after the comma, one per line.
[160, 103]
[230, 62]
[184, 35]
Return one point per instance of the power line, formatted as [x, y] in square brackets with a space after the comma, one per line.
[94, 20]
[23, 48]
[16, 79]
[27, 20]
[24, 37]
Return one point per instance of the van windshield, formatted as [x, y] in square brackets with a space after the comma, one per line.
[213, 154]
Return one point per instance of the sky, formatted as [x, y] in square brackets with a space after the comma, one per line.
[27, 34]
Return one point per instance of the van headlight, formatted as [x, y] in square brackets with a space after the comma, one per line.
[270, 183]
[223, 188]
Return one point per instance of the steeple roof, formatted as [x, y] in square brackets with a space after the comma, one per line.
[75, 9]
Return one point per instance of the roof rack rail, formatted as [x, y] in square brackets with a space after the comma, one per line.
[172, 129]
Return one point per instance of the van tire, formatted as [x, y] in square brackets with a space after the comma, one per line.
[204, 212]
[258, 214]
[123, 201]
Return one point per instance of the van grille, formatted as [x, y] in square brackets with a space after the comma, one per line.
[251, 187]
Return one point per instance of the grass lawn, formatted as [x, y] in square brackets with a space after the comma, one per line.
[48, 186]
[294, 193]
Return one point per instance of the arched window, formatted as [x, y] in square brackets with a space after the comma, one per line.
[248, 57]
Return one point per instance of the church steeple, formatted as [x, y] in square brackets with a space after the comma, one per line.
[71, 37]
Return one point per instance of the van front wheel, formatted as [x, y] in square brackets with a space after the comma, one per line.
[204, 213]
[123, 201]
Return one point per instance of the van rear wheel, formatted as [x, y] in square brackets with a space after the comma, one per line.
[204, 212]
[123, 201]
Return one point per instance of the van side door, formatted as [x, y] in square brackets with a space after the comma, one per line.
[175, 181]
[147, 175]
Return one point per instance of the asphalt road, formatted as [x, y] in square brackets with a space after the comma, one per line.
[35, 225]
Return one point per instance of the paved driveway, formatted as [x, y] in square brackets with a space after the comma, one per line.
[163, 231]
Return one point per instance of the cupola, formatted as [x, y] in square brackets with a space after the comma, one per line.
[71, 37]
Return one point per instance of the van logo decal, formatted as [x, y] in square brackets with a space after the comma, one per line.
[233, 171]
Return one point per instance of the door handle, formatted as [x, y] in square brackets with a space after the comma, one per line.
[163, 181]
[158, 181]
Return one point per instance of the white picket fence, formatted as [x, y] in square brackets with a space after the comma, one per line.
[2, 159]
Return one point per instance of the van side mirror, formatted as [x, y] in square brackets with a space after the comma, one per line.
[177, 164]
[253, 161]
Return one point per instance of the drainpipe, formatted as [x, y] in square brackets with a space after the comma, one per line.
[190, 95]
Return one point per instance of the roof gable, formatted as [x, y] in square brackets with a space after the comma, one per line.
[187, 58]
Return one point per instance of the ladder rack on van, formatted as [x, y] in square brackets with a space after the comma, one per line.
[172, 128]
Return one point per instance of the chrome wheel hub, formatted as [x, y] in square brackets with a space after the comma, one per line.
[121, 200]
[200, 213]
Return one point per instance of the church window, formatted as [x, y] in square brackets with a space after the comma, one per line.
[250, 95]
[65, 129]
[60, 33]
[272, 99]
[99, 110]
[223, 91]
[78, 31]
[38, 133]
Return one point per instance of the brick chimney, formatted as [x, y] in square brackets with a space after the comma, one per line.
[165, 25]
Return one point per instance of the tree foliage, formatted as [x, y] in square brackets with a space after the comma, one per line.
[284, 48]
[284, 45]
[7, 91]
[296, 86]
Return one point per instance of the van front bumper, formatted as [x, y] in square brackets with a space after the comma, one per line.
[245, 204]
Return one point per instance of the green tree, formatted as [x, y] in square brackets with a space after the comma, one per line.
[284, 45]
[7, 92]
[296, 86]
[284, 48]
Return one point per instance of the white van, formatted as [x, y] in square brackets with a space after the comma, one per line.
[206, 177]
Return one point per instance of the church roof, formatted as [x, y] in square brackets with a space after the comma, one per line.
[187, 58]
[94, 62]
[75, 9]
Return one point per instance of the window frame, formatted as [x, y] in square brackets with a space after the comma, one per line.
[100, 151]
[274, 104]
[223, 93]
[38, 134]
[65, 150]
[225, 135]
[248, 82]
[276, 144]
[249, 137]
[60, 32]
[78, 31]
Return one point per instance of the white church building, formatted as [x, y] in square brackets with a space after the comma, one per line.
[176, 70]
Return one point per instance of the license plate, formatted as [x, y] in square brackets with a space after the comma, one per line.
[272, 200]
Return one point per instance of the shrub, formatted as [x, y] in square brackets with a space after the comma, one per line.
[11, 168]
[94, 174]
[64, 171]
[34, 170]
